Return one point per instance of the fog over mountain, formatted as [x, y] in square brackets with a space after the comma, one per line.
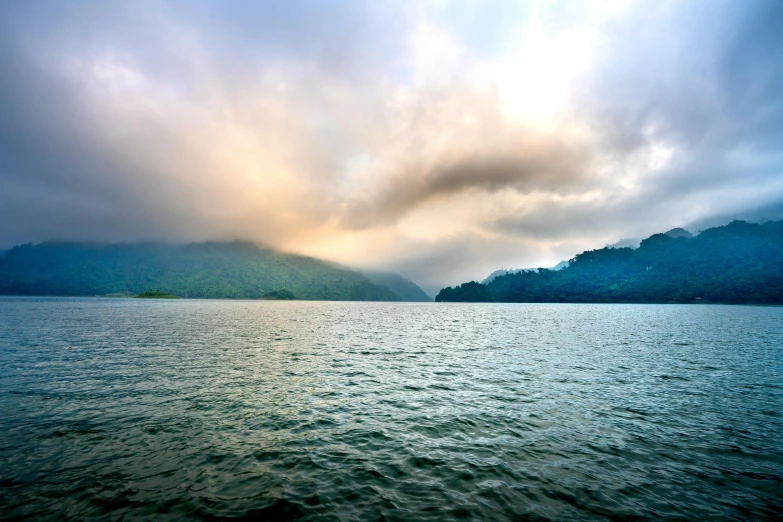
[438, 140]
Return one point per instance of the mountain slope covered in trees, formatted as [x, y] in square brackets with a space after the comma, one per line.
[202, 270]
[737, 263]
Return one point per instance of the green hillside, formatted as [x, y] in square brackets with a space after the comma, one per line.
[198, 270]
[737, 263]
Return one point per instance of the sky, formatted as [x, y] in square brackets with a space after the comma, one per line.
[442, 139]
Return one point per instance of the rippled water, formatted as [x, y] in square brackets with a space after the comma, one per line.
[367, 411]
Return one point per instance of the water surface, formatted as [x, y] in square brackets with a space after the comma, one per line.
[386, 411]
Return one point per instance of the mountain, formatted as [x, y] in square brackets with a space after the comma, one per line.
[206, 270]
[629, 242]
[404, 289]
[503, 271]
[634, 242]
[679, 232]
[737, 263]
[497, 273]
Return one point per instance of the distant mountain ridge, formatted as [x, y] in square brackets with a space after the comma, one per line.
[497, 273]
[503, 271]
[403, 288]
[197, 270]
[678, 232]
[628, 242]
[634, 242]
[737, 263]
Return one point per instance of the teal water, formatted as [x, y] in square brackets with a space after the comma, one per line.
[388, 411]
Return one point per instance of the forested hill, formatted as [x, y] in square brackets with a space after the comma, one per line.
[205, 270]
[737, 263]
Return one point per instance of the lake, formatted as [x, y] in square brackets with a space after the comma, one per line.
[195, 409]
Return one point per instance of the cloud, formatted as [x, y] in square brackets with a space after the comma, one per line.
[460, 258]
[549, 167]
[442, 140]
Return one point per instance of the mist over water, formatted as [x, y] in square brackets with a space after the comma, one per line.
[366, 411]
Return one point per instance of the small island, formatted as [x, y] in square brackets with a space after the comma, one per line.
[279, 294]
[156, 294]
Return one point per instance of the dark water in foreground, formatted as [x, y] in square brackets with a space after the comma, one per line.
[368, 411]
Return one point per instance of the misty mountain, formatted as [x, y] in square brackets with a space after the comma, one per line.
[201, 270]
[404, 289]
[502, 272]
[629, 242]
[772, 212]
[634, 242]
[737, 263]
[678, 232]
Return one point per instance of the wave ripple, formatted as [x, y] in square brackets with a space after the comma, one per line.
[369, 411]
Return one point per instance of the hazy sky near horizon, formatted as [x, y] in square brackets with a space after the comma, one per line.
[441, 139]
